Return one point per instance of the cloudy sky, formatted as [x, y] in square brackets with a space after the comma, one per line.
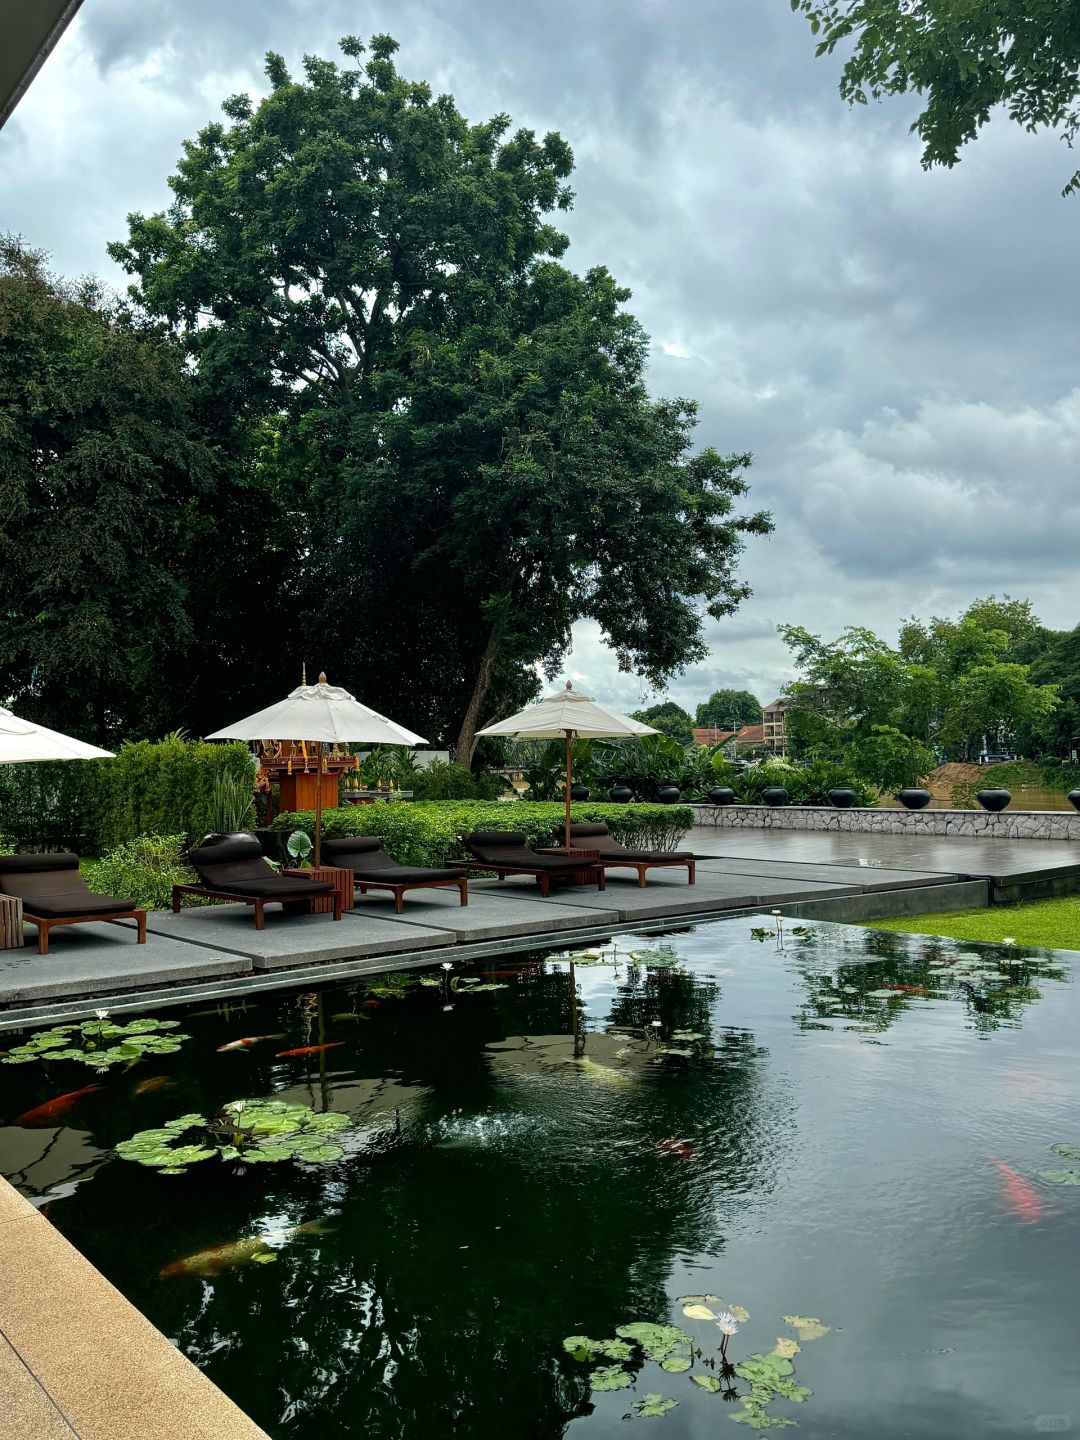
[898, 349]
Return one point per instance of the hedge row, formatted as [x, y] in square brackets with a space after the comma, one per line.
[165, 787]
[426, 833]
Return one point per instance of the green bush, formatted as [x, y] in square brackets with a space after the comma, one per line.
[806, 784]
[143, 870]
[426, 832]
[166, 787]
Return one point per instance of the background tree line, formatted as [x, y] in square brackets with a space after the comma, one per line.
[353, 410]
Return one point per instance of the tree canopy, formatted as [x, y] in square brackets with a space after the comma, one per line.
[729, 709]
[459, 422]
[670, 719]
[964, 57]
[115, 617]
[949, 684]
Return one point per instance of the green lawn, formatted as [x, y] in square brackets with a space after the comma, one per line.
[1055, 923]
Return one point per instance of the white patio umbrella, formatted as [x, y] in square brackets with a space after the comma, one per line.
[320, 714]
[23, 741]
[568, 715]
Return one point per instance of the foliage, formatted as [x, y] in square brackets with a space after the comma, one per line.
[167, 787]
[119, 507]
[1063, 1177]
[352, 261]
[729, 709]
[964, 58]
[234, 803]
[806, 784]
[947, 684]
[243, 1132]
[427, 833]
[144, 870]
[889, 760]
[299, 846]
[670, 719]
[100, 1043]
[768, 1377]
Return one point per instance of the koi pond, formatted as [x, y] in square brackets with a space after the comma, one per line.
[723, 1181]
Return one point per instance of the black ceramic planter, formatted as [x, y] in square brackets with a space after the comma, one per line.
[668, 794]
[579, 792]
[993, 800]
[621, 794]
[842, 797]
[774, 795]
[721, 795]
[1073, 798]
[914, 799]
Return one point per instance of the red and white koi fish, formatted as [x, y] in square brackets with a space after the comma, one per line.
[678, 1148]
[245, 1042]
[308, 1049]
[53, 1110]
[1020, 1195]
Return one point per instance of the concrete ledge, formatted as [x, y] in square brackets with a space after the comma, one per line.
[1005, 825]
[79, 1362]
[889, 904]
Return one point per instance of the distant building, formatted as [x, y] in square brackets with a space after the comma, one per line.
[729, 741]
[774, 736]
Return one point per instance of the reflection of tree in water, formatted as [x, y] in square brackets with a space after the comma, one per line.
[890, 973]
[526, 1201]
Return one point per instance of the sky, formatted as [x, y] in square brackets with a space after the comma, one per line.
[897, 348]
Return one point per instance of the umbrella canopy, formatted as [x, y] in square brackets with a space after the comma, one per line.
[20, 740]
[568, 715]
[320, 714]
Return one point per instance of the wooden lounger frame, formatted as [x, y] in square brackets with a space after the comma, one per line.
[45, 924]
[400, 886]
[614, 862]
[543, 875]
[260, 902]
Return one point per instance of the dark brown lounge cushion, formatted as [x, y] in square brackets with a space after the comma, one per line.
[51, 887]
[598, 837]
[365, 857]
[238, 865]
[509, 847]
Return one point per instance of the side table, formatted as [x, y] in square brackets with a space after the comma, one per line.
[587, 874]
[324, 904]
[11, 923]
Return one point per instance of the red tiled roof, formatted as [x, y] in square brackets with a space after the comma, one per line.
[711, 735]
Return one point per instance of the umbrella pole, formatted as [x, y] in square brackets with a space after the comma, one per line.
[568, 734]
[318, 802]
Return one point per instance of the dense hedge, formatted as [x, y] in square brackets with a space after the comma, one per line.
[426, 832]
[166, 787]
[143, 870]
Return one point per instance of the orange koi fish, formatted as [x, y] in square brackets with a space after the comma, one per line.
[253, 1248]
[308, 1049]
[1020, 1195]
[370, 1004]
[245, 1042]
[152, 1083]
[678, 1148]
[52, 1110]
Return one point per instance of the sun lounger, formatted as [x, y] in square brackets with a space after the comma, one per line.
[507, 853]
[233, 867]
[373, 869]
[614, 855]
[54, 893]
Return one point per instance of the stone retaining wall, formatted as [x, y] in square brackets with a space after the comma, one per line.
[1005, 825]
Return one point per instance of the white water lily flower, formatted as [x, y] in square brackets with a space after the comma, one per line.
[447, 964]
[1008, 940]
[102, 1014]
[656, 1024]
[726, 1323]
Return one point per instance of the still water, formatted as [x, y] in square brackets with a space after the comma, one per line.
[845, 1128]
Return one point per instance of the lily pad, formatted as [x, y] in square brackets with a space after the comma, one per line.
[658, 1341]
[1070, 1152]
[786, 1348]
[611, 1377]
[809, 1327]
[698, 1312]
[1060, 1177]
[707, 1382]
[675, 1364]
[654, 1405]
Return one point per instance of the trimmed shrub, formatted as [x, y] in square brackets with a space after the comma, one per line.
[143, 870]
[426, 832]
[165, 787]
[806, 784]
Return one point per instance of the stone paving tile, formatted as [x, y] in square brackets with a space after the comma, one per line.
[103, 1364]
[293, 939]
[867, 877]
[88, 959]
[26, 1411]
[487, 915]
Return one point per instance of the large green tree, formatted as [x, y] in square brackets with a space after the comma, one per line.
[462, 420]
[728, 709]
[964, 58]
[670, 719]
